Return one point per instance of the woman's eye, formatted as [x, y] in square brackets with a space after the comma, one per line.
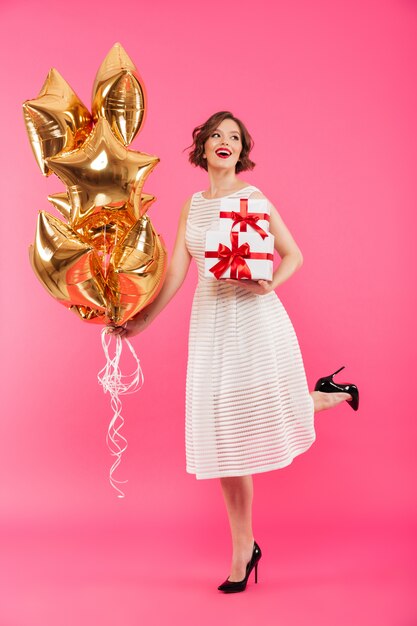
[215, 134]
[236, 137]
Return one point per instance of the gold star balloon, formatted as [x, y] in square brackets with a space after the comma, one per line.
[107, 262]
[67, 266]
[56, 121]
[102, 173]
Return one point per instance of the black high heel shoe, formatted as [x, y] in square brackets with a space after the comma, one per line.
[230, 586]
[327, 385]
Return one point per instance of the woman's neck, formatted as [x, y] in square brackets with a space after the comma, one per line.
[221, 182]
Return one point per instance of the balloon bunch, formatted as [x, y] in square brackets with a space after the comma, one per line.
[105, 262]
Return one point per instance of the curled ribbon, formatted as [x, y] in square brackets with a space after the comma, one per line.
[116, 383]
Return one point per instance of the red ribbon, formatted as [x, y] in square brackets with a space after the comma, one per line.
[243, 218]
[235, 258]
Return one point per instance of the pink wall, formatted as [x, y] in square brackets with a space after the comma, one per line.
[328, 91]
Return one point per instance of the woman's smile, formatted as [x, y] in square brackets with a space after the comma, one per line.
[223, 153]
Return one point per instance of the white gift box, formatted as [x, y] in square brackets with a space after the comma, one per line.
[228, 255]
[256, 210]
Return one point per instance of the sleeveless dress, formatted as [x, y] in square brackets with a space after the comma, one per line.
[248, 407]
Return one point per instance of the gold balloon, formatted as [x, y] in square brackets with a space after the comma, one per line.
[66, 266]
[119, 95]
[102, 173]
[110, 278]
[108, 262]
[62, 203]
[139, 265]
[56, 120]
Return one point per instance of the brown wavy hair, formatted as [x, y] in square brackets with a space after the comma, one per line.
[202, 132]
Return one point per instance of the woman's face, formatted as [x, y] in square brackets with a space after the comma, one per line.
[223, 147]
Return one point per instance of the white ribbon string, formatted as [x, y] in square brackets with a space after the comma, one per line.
[117, 384]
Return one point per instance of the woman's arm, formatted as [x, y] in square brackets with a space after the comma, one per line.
[285, 245]
[176, 273]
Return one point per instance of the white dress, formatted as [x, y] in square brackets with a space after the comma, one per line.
[248, 407]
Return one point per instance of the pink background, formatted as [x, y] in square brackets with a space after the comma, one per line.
[328, 91]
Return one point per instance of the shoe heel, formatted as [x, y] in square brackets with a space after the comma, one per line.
[229, 586]
[326, 384]
[337, 371]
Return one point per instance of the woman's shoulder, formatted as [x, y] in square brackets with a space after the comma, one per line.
[253, 192]
[195, 196]
[191, 198]
[187, 206]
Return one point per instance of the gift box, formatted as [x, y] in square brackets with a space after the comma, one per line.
[242, 255]
[245, 215]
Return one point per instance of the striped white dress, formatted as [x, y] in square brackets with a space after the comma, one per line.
[248, 408]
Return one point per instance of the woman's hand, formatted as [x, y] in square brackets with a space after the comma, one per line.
[112, 329]
[260, 287]
[131, 327]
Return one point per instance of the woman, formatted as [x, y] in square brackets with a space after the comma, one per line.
[248, 408]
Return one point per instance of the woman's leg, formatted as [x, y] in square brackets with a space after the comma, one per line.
[324, 401]
[238, 496]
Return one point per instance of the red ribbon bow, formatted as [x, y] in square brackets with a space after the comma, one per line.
[233, 257]
[243, 218]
